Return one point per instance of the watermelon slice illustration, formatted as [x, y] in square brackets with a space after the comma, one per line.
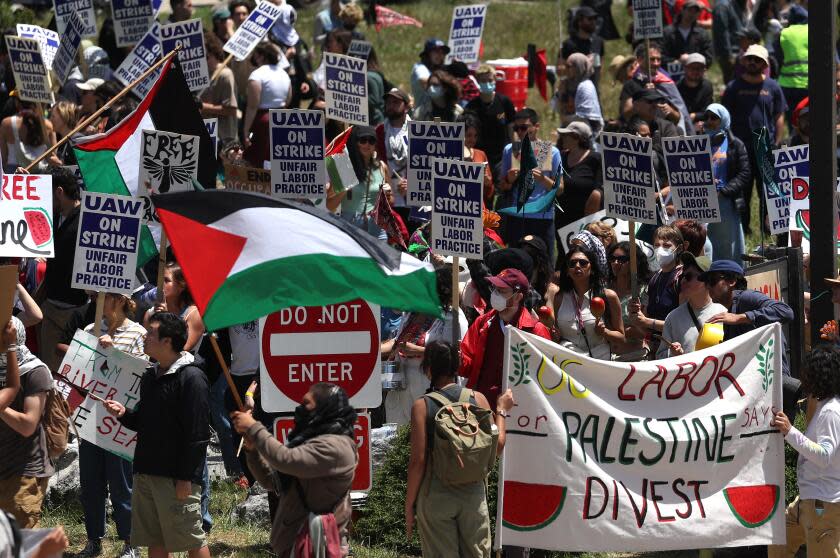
[803, 221]
[753, 505]
[39, 223]
[528, 507]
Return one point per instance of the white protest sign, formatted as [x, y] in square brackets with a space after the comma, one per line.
[32, 81]
[47, 38]
[132, 18]
[628, 177]
[457, 225]
[83, 8]
[142, 57]
[635, 457]
[212, 125]
[689, 164]
[647, 19]
[622, 232]
[168, 162]
[107, 242]
[68, 48]
[252, 30]
[427, 140]
[192, 56]
[346, 93]
[26, 212]
[788, 163]
[465, 32]
[297, 154]
[359, 49]
[107, 373]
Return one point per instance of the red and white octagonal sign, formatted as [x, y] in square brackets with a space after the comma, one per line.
[303, 345]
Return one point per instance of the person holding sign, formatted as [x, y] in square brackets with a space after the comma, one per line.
[432, 58]
[219, 99]
[269, 87]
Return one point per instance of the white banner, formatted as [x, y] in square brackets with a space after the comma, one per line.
[689, 164]
[664, 455]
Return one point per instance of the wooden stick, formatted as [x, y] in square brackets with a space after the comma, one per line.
[634, 277]
[456, 334]
[241, 443]
[83, 124]
[161, 265]
[226, 372]
[222, 65]
[100, 309]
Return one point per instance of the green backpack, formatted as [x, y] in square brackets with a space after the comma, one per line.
[464, 440]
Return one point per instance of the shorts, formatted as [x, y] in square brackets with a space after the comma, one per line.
[23, 497]
[158, 518]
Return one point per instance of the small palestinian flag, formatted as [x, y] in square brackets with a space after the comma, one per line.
[246, 255]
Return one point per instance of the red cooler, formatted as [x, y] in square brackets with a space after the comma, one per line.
[512, 79]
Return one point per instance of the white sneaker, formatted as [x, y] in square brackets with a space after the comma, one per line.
[129, 551]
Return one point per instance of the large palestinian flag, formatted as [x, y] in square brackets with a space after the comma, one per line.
[246, 255]
[110, 162]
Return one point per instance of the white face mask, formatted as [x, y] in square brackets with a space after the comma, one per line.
[498, 301]
[664, 256]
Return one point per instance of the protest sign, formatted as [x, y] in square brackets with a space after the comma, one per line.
[168, 162]
[693, 185]
[68, 48]
[768, 283]
[647, 19]
[9, 275]
[427, 140]
[788, 163]
[212, 125]
[252, 30]
[47, 38]
[303, 345]
[622, 232]
[247, 179]
[359, 49]
[189, 35]
[346, 92]
[667, 455]
[107, 373]
[799, 219]
[82, 8]
[628, 177]
[132, 18]
[32, 81]
[457, 226]
[465, 32]
[297, 154]
[26, 226]
[142, 57]
[107, 243]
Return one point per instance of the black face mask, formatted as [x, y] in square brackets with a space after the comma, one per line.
[302, 416]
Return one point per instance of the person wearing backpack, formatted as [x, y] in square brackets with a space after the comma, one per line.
[454, 443]
[26, 466]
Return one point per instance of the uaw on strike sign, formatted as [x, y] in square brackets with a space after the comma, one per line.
[303, 345]
[673, 454]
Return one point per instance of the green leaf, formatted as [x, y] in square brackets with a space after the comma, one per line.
[511, 379]
[527, 381]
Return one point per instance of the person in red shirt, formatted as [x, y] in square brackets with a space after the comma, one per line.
[482, 349]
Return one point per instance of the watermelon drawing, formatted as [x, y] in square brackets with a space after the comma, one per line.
[528, 507]
[39, 223]
[753, 505]
[803, 221]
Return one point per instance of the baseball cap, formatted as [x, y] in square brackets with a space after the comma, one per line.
[694, 4]
[432, 44]
[748, 32]
[90, 85]
[398, 93]
[511, 278]
[364, 132]
[649, 95]
[695, 58]
[582, 129]
[726, 266]
[758, 51]
[700, 262]
[585, 11]
[222, 12]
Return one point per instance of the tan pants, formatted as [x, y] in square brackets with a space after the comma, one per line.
[23, 497]
[453, 521]
[821, 533]
[52, 331]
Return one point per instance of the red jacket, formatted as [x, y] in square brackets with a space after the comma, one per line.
[475, 341]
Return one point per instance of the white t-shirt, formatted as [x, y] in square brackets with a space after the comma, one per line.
[396, 146]
[244, 349]
[818, 467]
[419, 72]
[586, 102]
[276, 85]
[680, 328]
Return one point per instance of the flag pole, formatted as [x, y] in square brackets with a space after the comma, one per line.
[83, 124]
[222, 65]
[161, 265]
[226, 372]
[100, 310]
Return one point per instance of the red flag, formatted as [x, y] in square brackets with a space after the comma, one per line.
[537, 73]
[389, 220]
[386, 17]
[337, 144]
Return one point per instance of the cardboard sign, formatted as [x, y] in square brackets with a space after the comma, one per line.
[142, 57]
[457, 225]
[192, 56]
[107, 243]
[32, 81]
[82, 8]
[303, 345]
[359, 49]
[363, 479]
[26, 218]
[8, 287]
[212, 125]
[346, 91]
[247, 179]
[647, 19]
[788, 163]
[465, 32]
[132, 18]
[629, 192]
[427, 140]
[297, 154]
[109, 374]
[168, 162]
[766, 282]
[47, 38]
[693, 185]
[253, 30]
[622, 232]
[674, 454]
[68, 48]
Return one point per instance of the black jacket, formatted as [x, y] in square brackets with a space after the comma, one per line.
[674, 46]
[59, 272]
[738, 171]
[172, 421]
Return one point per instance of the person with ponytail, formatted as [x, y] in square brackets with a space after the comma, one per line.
[448, 517]
[312, 472]
[24, 137]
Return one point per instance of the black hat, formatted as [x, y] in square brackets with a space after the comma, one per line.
[585, 11]
[364, 132]
[748, 32]
[649, 95]
[432, 44]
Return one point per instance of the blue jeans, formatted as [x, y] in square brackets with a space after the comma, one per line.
[727, 236]
[100, 473]
[221, 424]
[358, 219]
[206, 519]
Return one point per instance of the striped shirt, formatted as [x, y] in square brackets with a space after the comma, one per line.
[128, 338]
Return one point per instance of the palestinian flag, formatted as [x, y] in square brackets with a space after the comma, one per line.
[110, 162]
[246, 255]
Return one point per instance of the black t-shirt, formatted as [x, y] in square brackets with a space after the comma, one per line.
[592, 45]
[59, 273]
[494, 117]
[578, 183]
[696, 98]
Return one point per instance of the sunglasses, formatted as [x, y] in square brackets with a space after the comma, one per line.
[577, 263]
[691, 276]
[523, 128]
[371, 141]
[619, 259]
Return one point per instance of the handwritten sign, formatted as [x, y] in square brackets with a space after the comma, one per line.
[297, 154]
[47, 38]
[68, 48]
[465, 32]
[192, 56]
[26, 224]
[142, 57]
[31, 78]
[82, 8]
[168, 162]
[346, 92]
[427, 140]
[628, 177]
[457, 226]
[253, 30]
[689, 164]
[788, 163]
[132, 18]
[647, 19]
[247, 179]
